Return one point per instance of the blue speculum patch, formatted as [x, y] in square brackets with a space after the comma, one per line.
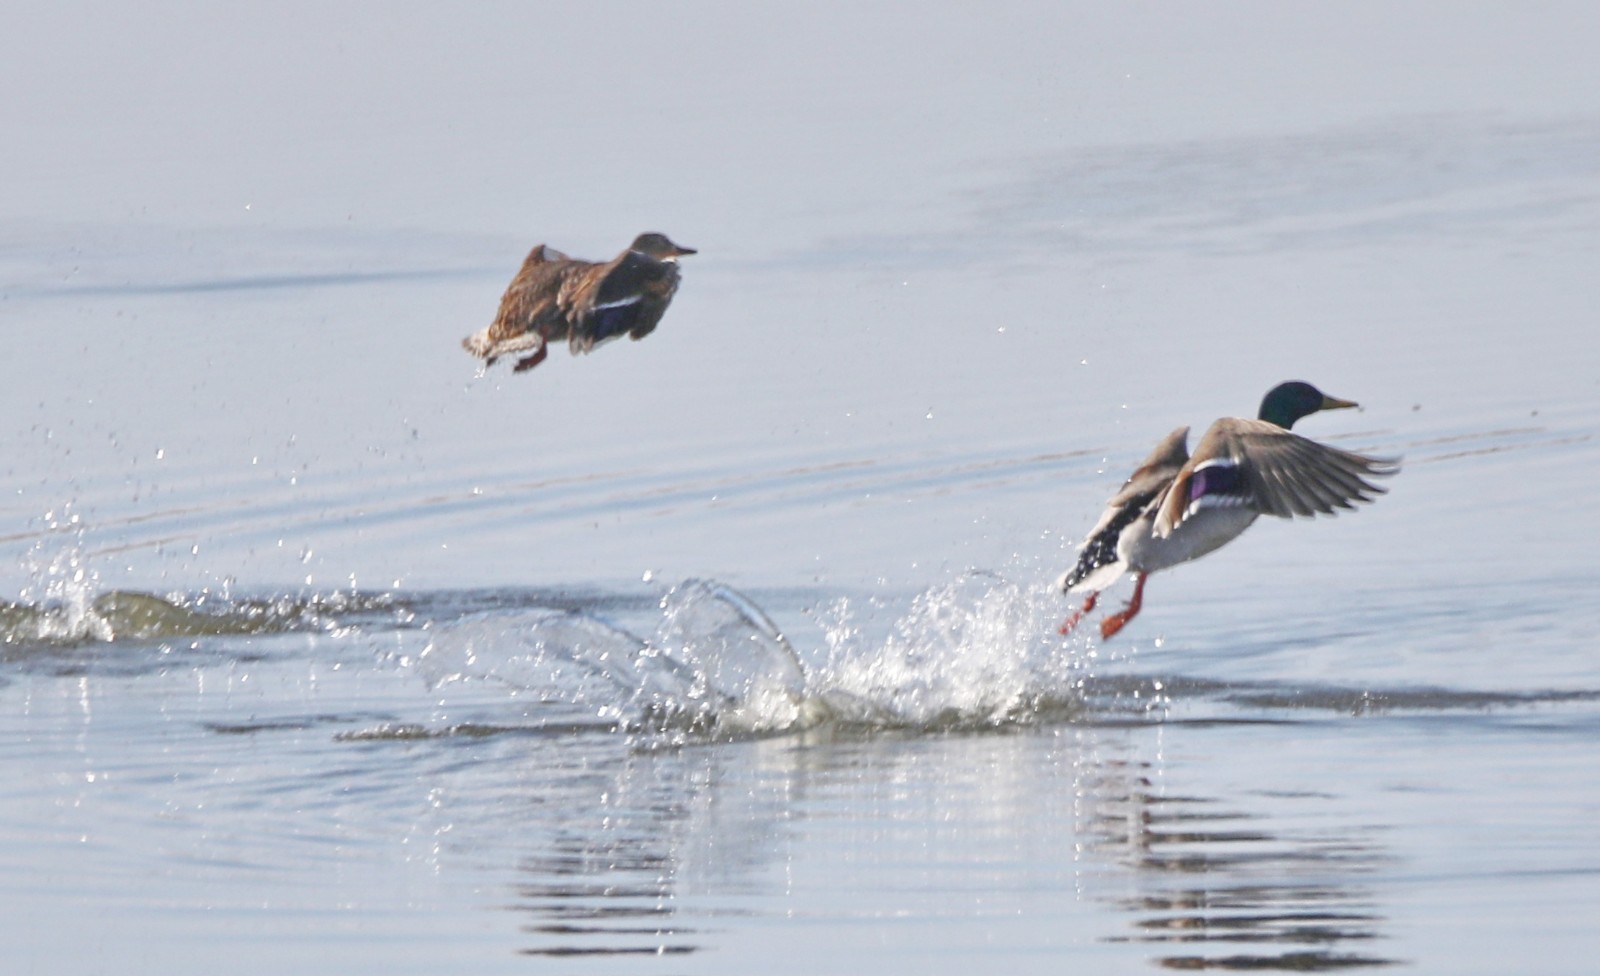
[1221, 478]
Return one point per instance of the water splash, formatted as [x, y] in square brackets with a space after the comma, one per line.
[131, 615]
[716, 662]
[977, 652]
[63, 604]
[61, 587]
[744, 672]
[551, 654]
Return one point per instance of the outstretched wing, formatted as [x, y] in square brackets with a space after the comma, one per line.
[1261, 466]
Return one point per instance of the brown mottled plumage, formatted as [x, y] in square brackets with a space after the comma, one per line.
[554, 297]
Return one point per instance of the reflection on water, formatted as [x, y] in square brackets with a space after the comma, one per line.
[653, 850]
[601, 901]
[1201, 881]
[626, 797]
[621, 840]
[1221, 888]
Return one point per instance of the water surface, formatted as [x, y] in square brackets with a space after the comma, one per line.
[733, 649]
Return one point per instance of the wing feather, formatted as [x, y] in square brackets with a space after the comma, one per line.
[539, 297]
[1286, 475]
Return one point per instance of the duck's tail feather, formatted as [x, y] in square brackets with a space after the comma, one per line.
[1090, 576]
[478, 343]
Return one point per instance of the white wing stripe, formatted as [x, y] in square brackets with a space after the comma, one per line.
[619, 303]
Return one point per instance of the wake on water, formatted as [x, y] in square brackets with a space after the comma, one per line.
[979, 651]
[974, 653]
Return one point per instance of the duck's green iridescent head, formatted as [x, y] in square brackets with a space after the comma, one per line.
[1288, 402]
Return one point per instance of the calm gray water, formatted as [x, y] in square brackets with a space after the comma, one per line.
[733, 650]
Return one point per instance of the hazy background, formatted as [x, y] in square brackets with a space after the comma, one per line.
[959, 269]
[239, 249]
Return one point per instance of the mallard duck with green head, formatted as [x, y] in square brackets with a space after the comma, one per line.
[587, 303]
[1176, 506]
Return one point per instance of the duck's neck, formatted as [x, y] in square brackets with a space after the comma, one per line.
[1283, 410]
[1283, 416]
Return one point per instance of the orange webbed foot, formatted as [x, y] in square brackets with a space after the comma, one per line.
[1072, 621]
[1119, 620]
[1114, 623]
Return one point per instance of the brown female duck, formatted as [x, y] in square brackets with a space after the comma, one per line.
[554, 297]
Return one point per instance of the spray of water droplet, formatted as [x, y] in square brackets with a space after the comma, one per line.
[977, 652]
